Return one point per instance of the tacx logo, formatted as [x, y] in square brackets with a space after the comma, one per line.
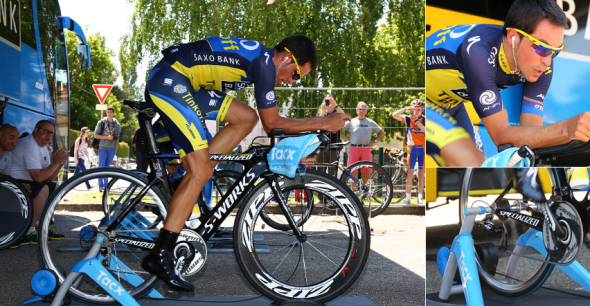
[282, 154]
[111, 284]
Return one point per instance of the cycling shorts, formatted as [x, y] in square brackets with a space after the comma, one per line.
[416, 154]
[441, 130]
[183, 110]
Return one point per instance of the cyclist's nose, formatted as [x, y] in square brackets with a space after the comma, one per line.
[546, 61]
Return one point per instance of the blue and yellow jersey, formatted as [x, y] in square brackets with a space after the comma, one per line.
[415, 134]
[441, 129]
[467, 63]
[226, 63]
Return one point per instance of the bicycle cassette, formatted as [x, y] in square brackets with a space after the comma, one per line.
[190, 252]
[563, 250]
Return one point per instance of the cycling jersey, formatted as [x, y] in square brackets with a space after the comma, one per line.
[467, 63]
[415, 134]
[186, 86]
[441, 129]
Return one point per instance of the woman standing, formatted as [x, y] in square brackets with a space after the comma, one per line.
[81, 154]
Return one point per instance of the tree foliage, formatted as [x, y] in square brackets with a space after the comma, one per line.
[360, 43]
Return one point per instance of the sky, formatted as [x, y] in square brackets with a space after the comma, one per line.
[110, 18]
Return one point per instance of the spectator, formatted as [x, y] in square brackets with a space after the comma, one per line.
[81, 153]
[32, 165]
[361, 131]
[416, 144]
[138, 150]
[108, 131]
[8, 140]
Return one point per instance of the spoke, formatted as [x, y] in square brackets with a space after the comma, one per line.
[321, 253]
[282, 260]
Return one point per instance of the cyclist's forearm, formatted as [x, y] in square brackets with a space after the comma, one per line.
[532, 136]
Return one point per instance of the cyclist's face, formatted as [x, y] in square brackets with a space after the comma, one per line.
[417, 111]
[285, 73]
[532, 65]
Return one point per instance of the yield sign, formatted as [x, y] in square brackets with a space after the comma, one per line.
[102, 91]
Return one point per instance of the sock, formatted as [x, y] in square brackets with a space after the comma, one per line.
[31, 229]
[419, 197]
[408, 196]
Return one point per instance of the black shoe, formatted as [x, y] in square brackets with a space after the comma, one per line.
[160, 262]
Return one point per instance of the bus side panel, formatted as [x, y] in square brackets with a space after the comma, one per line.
[33, 84]
[10, 75]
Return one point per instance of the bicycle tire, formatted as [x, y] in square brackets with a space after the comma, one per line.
[512, 275]
[379, 188]
[398, 180]
[71, 221]
[16, 212]
[283, 273]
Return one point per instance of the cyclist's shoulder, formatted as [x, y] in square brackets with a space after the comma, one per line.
[451, 38]
[249, 49]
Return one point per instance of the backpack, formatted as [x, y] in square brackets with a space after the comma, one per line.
[96, 142]
[73, 148]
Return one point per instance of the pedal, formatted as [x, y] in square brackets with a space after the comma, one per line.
[563, 250]
[195, 257]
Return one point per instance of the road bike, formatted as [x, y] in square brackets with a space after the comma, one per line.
[317, 259]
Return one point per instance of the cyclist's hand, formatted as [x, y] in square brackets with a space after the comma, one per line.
[579, 127]
[111, 137]
[336, 121]
[62, 155]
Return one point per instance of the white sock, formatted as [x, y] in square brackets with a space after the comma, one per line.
[408, 196]
[419, 197]
[31, 229]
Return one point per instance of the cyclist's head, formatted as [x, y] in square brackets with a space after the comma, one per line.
[417, 107]
[298, 56]
[8, 137]
[533, 33]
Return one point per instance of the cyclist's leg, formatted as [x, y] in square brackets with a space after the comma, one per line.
[462, 117]
[39, 194]
[184, 121]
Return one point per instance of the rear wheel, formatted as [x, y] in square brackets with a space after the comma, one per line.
[16, 212]
[371, 184]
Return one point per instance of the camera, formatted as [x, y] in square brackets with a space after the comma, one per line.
[327, 102]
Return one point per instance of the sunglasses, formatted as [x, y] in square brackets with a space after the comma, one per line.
[296, 74]
[540, 47]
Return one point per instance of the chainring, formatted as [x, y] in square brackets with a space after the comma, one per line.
[563, 251]
[199, 247]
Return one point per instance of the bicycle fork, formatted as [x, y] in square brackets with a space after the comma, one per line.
[272, 181]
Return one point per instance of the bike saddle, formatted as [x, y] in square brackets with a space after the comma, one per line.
[137, 105]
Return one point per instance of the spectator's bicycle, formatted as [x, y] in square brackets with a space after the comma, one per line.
[517, 241]
[16, 211]
[317, 259]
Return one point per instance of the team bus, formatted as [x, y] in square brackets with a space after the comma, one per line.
[569, 91]
[34, 69]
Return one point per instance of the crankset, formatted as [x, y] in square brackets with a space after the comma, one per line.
[190, 252]
[563, 249]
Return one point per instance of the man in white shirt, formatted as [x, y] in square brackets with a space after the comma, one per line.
[8, 138]
[31, 164]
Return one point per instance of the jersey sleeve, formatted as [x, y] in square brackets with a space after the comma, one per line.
[480, 77]
[262, 69]
[534, 93]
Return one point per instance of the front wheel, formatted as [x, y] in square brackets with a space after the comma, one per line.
[16, 212]
[320, 266]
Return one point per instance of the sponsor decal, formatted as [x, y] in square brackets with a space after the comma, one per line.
[139, 244]
[219, 59]
[212, 102]
[488, 97]
[7, 238]
[229, 201]
[234, 85]
[492, 59]
[522, 218]
[436, 60]
[213, 94]
[542, 96]
[270, 95]
[461, 92]
[454, 34]
[285, 154]
[293, 292]
[267, 57]
[10, 25]
[174, 50]
[24, 209]
[109, 283]
[472, 40]
[465, 276]
[39, 85]
[231, 157]
[247, 44]
[180, 89]
[168, 82]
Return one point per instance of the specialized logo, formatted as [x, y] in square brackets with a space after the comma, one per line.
[139, 244]
[472, 40]
[109, 283]
[488, 97]
[267, 57]
[168, 82]
[213, 94]
[231, 157]
[492, 59]
[180, 89]
[522, 218]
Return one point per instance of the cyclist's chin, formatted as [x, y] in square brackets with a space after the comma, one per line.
[532, 76]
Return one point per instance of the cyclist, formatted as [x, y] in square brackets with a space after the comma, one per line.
[474, 62]
[8, 138]
[447, 143]
[415, 124]
[186, 87]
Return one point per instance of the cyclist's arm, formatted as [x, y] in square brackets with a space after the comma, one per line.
[398, 115]
[271, 120]
[577, 127]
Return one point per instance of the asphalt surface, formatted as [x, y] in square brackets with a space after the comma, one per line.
[394, 274]
[442, 225]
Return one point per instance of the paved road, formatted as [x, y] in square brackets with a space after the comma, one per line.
[442, 224]
[394, 274]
